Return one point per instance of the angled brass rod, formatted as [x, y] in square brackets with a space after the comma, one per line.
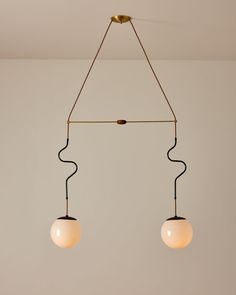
[86, 77]
[155, 75]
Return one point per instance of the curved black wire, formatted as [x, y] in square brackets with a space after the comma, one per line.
[76, 169]
[185, 168]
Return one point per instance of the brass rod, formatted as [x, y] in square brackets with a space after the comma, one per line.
[155, 75]
[151, 121]
[152, 69]
[86, 77]
[131, 121]
[90, 122]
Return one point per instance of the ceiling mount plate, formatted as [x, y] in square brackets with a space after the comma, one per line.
[120, 19]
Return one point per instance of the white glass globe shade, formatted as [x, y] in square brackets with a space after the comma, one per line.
[66, 232]
[177, 232]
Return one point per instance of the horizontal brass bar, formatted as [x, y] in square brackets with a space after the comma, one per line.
[115, 122]
[151, 121]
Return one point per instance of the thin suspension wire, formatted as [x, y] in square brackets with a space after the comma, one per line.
[155, 75]
[185, 168]
[76, 169]
[86, 77]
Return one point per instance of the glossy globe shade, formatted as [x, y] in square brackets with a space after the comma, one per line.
[66, 232]
[177, 232]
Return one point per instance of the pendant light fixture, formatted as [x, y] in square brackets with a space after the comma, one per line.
[176, 231]
[66, 230]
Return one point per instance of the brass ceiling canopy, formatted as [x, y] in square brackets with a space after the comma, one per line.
[120, 19]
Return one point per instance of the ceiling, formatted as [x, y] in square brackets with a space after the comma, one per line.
[72, 29]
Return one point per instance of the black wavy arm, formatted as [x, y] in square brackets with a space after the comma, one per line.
[76, 169]
[185, 168]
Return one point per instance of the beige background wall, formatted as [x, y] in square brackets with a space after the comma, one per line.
[124, 189]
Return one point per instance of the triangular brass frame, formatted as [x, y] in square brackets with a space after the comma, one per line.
[121, 19]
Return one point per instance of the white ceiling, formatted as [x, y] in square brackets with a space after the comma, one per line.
[183, 29]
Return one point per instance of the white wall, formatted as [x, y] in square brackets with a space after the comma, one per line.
[124, 189]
